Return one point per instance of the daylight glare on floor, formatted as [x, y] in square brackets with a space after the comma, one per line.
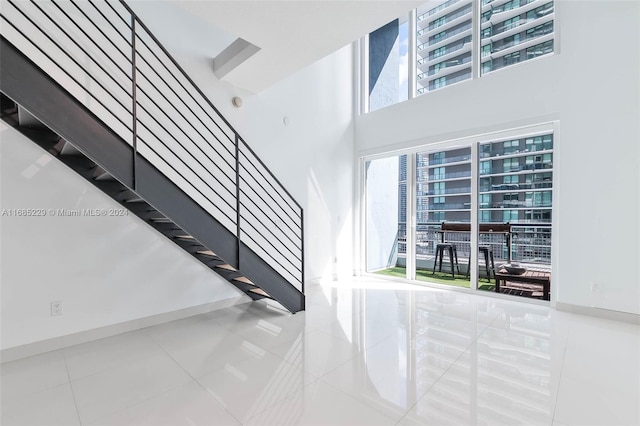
[365, 352]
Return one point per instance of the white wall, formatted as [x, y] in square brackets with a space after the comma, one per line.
[313, 156]
[110, 270]
[592, 87]
[105, 270]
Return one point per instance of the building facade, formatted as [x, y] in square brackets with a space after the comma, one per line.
[511, 31]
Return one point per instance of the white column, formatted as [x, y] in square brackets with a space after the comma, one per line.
[411, 216]
[476, 9]
[413, 48]
[364, 75]
[473, 249]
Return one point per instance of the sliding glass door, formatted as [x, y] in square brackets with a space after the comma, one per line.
[515, 187]
[443, 195]
[474, 213]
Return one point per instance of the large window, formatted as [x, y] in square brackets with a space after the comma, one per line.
[420, 205]
[388, 64]
[435, 45]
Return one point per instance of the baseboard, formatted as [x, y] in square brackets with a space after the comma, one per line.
[55, 343]
[599, 312]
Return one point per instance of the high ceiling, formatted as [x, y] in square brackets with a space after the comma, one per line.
[291, 34]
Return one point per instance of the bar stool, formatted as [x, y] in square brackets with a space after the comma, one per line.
[487, 251]
[453, 257]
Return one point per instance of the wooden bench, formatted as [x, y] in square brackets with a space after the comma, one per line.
[538, 278]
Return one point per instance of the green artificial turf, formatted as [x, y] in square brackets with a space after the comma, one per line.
[438, 277]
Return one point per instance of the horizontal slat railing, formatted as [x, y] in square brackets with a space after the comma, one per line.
[270, 218]
[100, 53]
[49, 38]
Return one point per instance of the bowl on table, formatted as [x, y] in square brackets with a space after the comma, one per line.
[513, 268]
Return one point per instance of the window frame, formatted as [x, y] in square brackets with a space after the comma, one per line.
[481, 62]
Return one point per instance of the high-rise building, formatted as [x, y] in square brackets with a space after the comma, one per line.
[444, 45]
[514, 186]
[511, 31]
[516, 180]
[444, 186]
[514, 31]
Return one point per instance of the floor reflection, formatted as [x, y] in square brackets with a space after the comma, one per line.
[446, 357]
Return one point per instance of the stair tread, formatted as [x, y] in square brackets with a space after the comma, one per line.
[207, 253]
[244, 280]
[101, 174]
[260, 291]
[68, 149]
[226, 266]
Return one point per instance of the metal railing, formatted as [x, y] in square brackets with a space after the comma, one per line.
[448, 206]
[452, 175]
[447, 191]
[530, 243]
[107, 59]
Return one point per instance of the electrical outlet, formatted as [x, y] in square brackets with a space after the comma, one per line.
[56, 308]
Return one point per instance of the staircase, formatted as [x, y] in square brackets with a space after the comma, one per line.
[90, 84]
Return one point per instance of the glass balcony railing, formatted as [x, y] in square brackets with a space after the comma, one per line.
[450, 206]
[447, 160]
[514, 204]
[515, 186]
[443, 176]
[446, 34]
[451, 17]
[465, 190]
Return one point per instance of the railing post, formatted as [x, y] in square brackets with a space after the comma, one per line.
[302, 246]
[134, 88]
[238, 217]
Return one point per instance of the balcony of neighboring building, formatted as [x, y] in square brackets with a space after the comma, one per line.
[463, 190]
[529, 49]
[440, 81]
[439, 39]
[444, 8]
[513, 183]
[526, 10]
[447, 20]
[445, 51]
[446, 67]
[456, 175]
[518, 38]
[509, 22]
[518, 169]
[448, 206]
[451, 158]
[517, 28]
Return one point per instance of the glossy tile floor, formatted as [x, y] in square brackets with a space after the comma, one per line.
[364, 353]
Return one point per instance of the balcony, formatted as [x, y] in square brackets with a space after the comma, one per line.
[448, 160]
[530, 245]
[465, 190]
[453, 175]
[448, 206]
[516, 186]
[516, 204]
